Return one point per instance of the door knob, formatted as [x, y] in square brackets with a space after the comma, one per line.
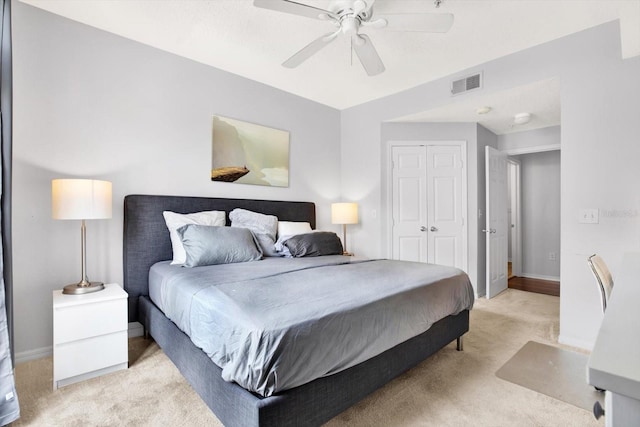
[433, 228]
[423, 228]
[597, 410]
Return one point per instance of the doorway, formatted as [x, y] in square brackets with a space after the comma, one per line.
[534, 202]
[529, 214]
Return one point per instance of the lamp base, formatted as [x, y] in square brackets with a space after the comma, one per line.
[347, 253]
[83, 288]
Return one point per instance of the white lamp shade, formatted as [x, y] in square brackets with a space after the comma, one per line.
[344, 213]
[80, 199]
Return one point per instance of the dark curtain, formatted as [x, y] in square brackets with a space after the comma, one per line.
[9, 408]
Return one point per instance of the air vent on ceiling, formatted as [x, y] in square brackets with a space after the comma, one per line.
[466, 84]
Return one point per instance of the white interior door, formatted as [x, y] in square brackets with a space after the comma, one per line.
[445, 214]
[429, 204]
[409, 203]
[497, 220]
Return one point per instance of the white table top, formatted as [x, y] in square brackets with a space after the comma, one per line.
[614, 364]
[111, 291]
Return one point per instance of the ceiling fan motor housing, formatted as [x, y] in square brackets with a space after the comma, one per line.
[358, 9]
[349, 25]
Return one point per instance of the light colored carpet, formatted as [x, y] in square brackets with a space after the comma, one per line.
[449, 389]
[556, 372]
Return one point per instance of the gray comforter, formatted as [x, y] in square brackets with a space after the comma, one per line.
[279, 323]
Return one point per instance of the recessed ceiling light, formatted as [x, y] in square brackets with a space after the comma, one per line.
[521, 118]
[483, 110]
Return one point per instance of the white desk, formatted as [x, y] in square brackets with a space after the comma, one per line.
[614, 364]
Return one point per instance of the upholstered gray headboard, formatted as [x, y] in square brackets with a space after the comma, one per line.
[146, 238]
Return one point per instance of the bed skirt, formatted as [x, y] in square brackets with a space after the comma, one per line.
[311, 404]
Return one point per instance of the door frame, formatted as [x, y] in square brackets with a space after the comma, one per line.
[516, 232]
[389, 190]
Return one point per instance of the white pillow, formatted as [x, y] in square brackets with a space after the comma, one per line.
[176, 220]
[287, 229]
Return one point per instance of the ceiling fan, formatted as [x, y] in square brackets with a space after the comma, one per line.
[349, 16]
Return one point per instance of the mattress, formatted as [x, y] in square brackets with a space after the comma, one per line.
[278, 323]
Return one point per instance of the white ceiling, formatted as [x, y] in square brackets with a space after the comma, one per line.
[235, 36]
[540, 99]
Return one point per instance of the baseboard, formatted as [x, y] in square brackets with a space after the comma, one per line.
[539, 277]
[585, 345]
[135, 330]
[38, 353]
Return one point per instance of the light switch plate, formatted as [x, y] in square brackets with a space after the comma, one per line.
[589, 216]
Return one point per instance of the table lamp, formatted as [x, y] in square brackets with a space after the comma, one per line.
[344, 213]
[81, 199]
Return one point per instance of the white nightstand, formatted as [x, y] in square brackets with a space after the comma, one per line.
[89, 334]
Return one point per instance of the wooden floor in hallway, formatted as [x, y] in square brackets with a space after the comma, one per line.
[548, 287]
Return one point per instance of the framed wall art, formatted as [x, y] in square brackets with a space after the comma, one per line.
[248, 153]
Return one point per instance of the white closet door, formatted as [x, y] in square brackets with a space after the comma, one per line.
[445, 243]
[409, 203]
[428, 204]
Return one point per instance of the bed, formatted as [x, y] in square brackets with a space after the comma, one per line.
[147, 242]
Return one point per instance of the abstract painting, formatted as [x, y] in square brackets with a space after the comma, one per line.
[247, 153]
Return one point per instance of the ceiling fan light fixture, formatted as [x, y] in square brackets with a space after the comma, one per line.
[522, 118]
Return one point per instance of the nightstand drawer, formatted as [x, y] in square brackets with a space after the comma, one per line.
[89, 320]
[91, 354]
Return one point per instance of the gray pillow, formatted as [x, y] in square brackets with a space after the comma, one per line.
[267, 245]
[314, 244]
[263, 226]
[211, 245]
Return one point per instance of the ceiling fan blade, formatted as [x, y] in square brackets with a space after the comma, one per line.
[423, 22]
[294, 8]
[309, 50]
[367, 54]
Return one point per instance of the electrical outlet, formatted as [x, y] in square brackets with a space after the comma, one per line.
[588, 216]
[552, 256]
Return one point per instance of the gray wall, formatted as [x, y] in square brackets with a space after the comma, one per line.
[522, 141]
[540, 198]
[600, 96]
[91, 104]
